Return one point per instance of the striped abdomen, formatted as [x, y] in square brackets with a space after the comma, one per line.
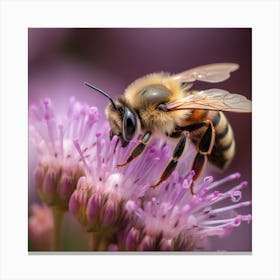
[224, 147]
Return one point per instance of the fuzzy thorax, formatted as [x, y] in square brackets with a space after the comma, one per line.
[146, 93]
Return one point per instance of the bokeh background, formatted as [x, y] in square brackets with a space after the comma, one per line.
[61, 59]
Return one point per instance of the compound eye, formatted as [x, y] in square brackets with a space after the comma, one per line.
[162, 107]
[129, 124]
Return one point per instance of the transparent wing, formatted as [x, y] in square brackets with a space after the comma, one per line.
[213, 99]
[211, 73]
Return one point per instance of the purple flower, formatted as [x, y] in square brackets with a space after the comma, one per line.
[59, 166]
[173, 219]
[98, 202]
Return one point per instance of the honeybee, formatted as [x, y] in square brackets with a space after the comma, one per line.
[166, 104]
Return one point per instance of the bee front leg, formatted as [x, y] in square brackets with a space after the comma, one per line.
[178, 151]
[204, 143]
[138, 149]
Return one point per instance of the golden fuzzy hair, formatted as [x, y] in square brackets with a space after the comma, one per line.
[153, 119]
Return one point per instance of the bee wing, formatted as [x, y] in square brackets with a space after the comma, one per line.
[212, 99]
[211, 73]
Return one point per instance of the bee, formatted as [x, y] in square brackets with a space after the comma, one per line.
[166, 104]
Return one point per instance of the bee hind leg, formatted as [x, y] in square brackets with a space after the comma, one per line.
[204, 145]
[138, 149]
[178, 151]
[198, 166]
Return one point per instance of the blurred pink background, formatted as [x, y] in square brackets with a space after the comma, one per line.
[60, 60]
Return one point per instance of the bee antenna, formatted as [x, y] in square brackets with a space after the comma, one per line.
[102, 92]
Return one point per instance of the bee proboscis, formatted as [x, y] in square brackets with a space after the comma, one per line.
[166, 104]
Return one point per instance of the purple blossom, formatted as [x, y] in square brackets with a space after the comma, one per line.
[173, 219]
[59, 166]
[98, 201]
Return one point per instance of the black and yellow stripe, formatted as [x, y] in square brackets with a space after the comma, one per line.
[224, 147]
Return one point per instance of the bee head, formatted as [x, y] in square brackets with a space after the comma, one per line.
[122, 119]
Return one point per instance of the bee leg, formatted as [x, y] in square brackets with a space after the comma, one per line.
[178, 151]
[138, 149]
[198, 166]
[204, 144]
[117, 142]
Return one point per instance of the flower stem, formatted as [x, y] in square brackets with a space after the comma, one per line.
[102, 246]
[57, 222]
[97, 242]
[92, 241]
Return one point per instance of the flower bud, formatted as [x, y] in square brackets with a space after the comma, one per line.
[147, 244]
[49, 186]
[110, 213]
[166, 245]
[65, 189]
[79, 200]
[132, 239]
[93, 209]
[38, 176]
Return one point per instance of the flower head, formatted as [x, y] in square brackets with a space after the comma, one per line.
[98, 201]
[59, 166]
[173, 219]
